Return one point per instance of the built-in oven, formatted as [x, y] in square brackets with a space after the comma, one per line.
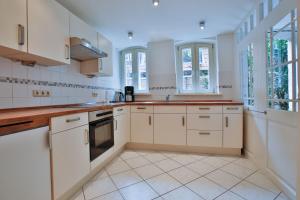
[101, 132]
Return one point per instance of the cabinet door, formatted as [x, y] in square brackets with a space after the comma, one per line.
[170, 129]
[48, 30]
[80, 29]
[142, 128]
[233, 131]
[70, 158]
[12, 14]
[117, 132]
[122, 130]
[25, 165]
[106, 66]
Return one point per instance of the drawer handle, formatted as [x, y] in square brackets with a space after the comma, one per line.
[204, 108]
[204, 117]
[120, 109]
[204, 133]
[73, 120]
[233, 108]
[141, 108]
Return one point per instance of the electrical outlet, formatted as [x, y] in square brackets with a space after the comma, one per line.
[35, 93]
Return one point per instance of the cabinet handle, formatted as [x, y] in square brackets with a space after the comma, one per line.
[141, 108]
[73, 120]
[120, 109]
[232, 108]
[21, 34]
[116, 124]
[183, 121]
[204, 133]
[86, 136]
[204, 108]
[100, 65]
[150, 120]
[204, 117]
[226, 122]
[67, 51]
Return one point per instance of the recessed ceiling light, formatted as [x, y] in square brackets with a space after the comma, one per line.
[155, 3]
[130, 35]
[202, 25]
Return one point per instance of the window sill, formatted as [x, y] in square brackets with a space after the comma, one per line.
[143, 94]
[198, 94]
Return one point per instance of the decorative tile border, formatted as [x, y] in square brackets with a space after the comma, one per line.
[163, 88]
[51, 84]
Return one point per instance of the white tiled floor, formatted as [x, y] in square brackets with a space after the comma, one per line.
[142, 175]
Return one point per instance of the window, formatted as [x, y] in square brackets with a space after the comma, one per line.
[282, 69]
[247, 65]
[134, 69]
[264, 9]
[196, 72]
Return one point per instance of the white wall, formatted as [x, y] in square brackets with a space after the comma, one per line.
[18, 81]
[161, 66]
[271, 140]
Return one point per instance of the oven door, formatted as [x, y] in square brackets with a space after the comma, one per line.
[101, 137]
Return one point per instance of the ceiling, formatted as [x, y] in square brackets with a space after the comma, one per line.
[173, 19]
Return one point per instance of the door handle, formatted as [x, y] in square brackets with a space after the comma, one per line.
[226, 122]
[86, 136]
[73, 120]
[21, 34]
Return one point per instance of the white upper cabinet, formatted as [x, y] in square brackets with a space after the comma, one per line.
[80, 29]
[48, 30]
[106, 67]
[12, 14]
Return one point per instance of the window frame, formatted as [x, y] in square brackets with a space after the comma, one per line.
[245, 70]
[195, 68]
[135, 68]
[294, 62]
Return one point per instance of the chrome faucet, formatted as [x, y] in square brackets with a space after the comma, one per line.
[168, 97]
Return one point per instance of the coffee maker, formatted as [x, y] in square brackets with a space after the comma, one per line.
[129, 94]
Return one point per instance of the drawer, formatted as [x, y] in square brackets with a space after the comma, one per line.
[66, 122]
[170, 109]
[204, 138]
[142, 109]
[233, 109]
[212, 122]
[204, 109]
[121, 110]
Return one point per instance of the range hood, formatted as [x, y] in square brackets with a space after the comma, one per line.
[82, 50]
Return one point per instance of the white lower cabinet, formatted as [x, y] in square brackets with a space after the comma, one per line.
[142, 128]
[204, 138]
[121, 130]
[70, 158]
[170, 129]
[233, 131]
[25, 165]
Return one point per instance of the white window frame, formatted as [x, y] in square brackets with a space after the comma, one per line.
[244, 65]
[135, 71]
[295, 84]
[195, 69]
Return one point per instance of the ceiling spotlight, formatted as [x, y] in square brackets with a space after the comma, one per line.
[155, 3]
[130, 35]
[202, 25]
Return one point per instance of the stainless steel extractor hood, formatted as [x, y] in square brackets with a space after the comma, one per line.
[82, 50]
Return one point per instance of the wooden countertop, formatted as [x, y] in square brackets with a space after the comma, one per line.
[19, 119]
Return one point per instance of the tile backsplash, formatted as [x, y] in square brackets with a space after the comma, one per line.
[65, 84]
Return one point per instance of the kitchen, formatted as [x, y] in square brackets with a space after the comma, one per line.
[130, 100]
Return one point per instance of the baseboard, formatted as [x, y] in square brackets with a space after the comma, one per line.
[70, 193]
[186, 149]
[290, 192]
